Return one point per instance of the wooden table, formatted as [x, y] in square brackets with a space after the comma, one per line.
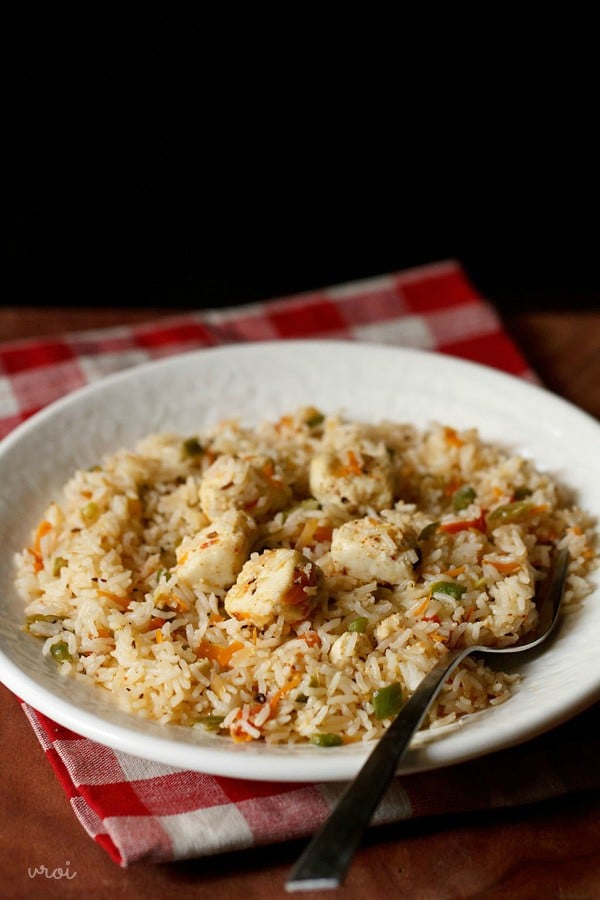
[547, 850]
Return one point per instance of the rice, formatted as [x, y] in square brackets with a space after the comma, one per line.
[296, 580]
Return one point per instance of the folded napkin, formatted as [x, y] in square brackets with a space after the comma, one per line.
[139, 810]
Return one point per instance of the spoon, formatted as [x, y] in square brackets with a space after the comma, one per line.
[324, 862]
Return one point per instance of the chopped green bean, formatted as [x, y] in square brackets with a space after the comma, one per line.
[326, 740]
[462, 497]
[510, 512]
[192, 447]
[428, 531]
[59, 563]
[450, 588]
[314, 420]
[359, 624]
[210, 723]
[387, 701]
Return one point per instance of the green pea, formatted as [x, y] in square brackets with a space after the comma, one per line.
[388, 701]
[326, 740]
[90, 512]
[359, 624]
[60, 651]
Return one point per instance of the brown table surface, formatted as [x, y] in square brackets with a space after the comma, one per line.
[546, 850]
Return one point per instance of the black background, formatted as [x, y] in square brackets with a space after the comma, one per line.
[200, 155]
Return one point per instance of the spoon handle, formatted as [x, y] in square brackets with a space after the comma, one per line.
[325, 860]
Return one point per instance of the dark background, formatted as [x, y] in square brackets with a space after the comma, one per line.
[201, 155]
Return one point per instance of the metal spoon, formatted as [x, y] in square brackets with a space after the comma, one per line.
[324, 862]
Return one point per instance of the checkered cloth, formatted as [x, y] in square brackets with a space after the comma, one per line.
[430, 308]
[139, 810]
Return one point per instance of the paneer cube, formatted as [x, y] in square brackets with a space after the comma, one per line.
[253, 484]
[214, 557]
[372, 549]
[279, 582]
[348, 648]
[351, 480]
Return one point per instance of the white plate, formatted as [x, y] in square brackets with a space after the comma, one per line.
[257, 381]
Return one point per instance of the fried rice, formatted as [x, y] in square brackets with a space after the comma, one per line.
[294, 581]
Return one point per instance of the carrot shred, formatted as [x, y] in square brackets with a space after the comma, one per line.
[122, 601]
[420, 609]
[43, 528]
[292, 683]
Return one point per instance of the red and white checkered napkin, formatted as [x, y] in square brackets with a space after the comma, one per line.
[432, 308]
[139, 810]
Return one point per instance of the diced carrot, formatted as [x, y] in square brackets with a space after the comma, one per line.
[323, 533]
[464, 525]
[239, 735]
[283, 422]
[222, 653]
[312, 639]
[352, 467]
[506, 567]
[313, 531]
[458, 570]
[269, 473]
[452, 437]
[178, 603]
